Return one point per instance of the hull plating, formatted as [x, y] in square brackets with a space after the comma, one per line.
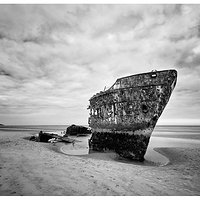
[123, 117]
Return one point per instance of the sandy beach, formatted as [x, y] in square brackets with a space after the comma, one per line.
[32, 168]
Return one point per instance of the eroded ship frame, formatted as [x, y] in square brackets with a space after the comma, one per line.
[123, 117]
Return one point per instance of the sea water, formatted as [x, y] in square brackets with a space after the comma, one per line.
[34, 128]
[189, 132]
[162, 136]
[169, 137]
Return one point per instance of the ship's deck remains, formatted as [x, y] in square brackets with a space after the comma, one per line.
[132, 101]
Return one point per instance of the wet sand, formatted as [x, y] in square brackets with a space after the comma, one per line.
[31, 168]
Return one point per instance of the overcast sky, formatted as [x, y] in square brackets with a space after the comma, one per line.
[53, 58]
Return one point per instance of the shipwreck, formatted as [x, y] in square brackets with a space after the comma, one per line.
[123, 117]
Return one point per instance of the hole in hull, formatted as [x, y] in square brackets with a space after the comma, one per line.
[144, 108]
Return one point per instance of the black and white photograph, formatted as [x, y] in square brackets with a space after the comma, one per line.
[99, 99]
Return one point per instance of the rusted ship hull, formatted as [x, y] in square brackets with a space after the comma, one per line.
[123, 117]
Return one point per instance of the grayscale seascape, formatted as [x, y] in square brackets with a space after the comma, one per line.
[99, 100]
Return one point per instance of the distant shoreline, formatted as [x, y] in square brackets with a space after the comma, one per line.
[158, 125]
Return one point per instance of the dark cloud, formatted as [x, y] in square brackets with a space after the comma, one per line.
[121, 24]
[4, 73]
[178, 38]
[188, 59]
[172, 9]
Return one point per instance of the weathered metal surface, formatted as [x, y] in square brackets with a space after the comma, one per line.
[130, 107]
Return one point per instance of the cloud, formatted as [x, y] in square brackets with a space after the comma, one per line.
[53, 58]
